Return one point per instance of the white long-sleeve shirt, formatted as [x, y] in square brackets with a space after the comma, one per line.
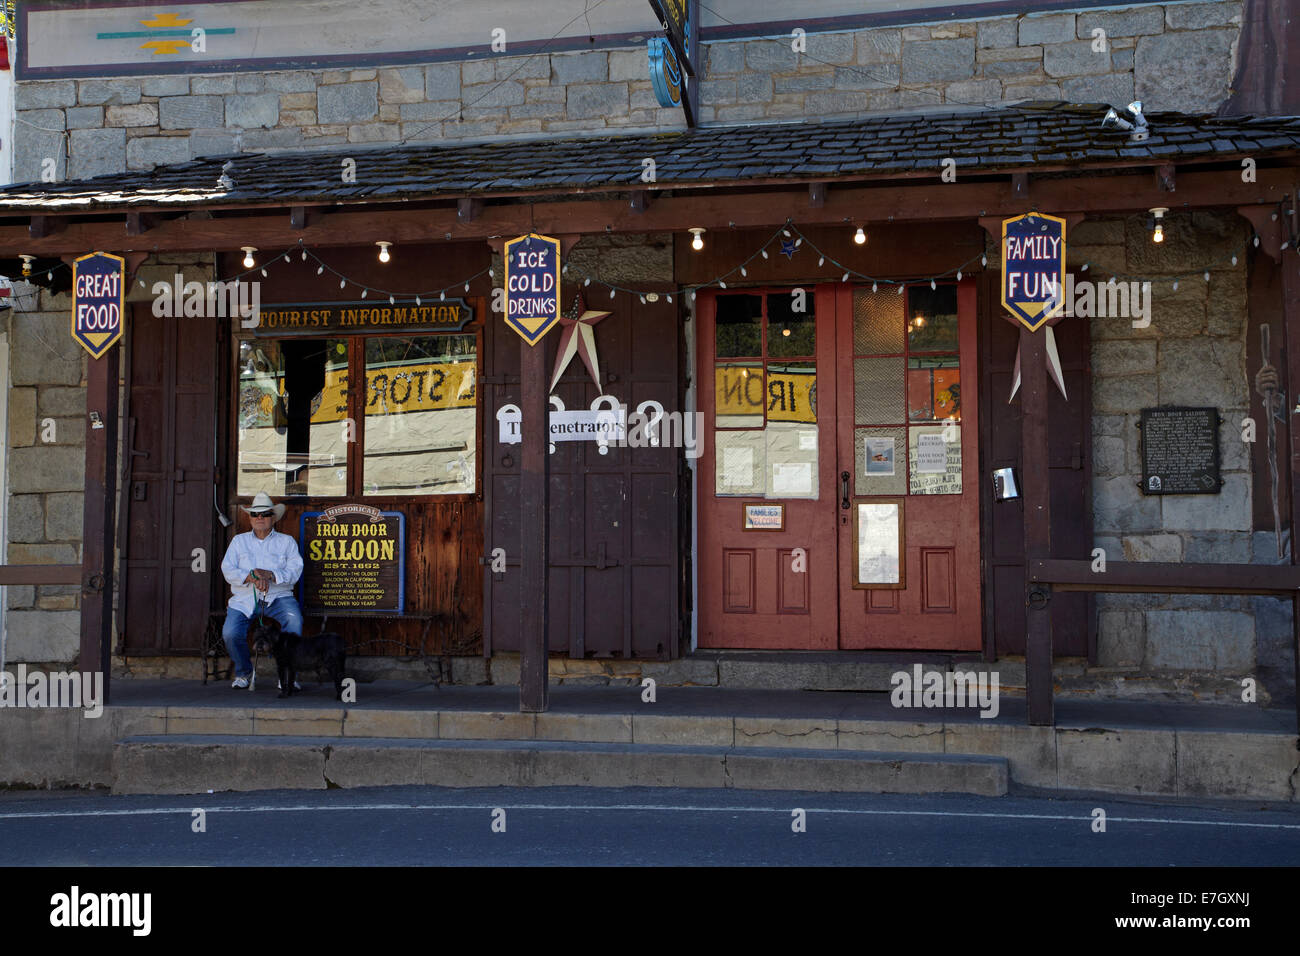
[277, 553]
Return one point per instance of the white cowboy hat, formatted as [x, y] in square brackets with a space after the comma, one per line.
[262, 502]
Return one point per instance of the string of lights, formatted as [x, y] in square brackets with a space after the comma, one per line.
[788, 235]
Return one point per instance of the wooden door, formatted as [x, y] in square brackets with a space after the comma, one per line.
[169, 446]
[766, 368]
[614, 543]
[1069, 461]
[908, 466]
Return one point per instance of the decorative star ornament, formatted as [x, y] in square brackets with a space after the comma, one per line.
[579, 338]
[788, 247]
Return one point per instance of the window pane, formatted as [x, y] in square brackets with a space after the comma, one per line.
[738, 395]
[877, 322]
[292, 400]
[932, 318]
[933, 388]
[790, 332]
[878, 391]
[420, 415]
[739, 326]
[791, 391]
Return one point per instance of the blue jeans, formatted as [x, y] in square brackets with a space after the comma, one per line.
[283, 610]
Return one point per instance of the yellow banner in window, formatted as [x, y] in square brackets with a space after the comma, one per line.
[790, 396]
[390, 390]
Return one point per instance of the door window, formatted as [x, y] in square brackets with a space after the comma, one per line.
[765, 395]
[906, 391]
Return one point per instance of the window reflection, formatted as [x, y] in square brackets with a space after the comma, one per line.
[420, 415]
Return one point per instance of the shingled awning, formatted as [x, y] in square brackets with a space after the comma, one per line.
[1029, 135]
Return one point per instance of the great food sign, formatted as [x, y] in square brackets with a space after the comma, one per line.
[1033, 263]
[97, 297]
[532, 285]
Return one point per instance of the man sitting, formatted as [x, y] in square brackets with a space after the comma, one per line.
[262, 566]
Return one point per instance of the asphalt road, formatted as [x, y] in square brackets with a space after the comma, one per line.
[411, 826]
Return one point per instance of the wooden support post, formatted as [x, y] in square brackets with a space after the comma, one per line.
[1036, 491]
[1291, 342]
[99, 517]
[534, 505]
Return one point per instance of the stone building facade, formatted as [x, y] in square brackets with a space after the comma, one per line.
[1176, 56]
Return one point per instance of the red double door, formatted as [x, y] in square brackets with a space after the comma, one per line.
[838, 493]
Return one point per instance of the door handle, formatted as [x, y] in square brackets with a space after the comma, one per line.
[844, 490]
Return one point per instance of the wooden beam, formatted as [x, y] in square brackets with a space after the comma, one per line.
[1268, 225]
[98, 517]
[468, 209]
[1165, 178]
[1291, 345]
[639, 201]
[534, 505]
[1037, 496]
[138, 223]
[1165, 577]
[717, 208]
[298, 218]
[18, 575]
[41, 227]
[816, 195]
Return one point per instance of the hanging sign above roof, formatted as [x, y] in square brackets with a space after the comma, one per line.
[1033, 264]
[674, 59]
[97, 296]
[532, 285]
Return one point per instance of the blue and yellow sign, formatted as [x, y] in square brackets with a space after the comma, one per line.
[665, 72]
[532, 285]
[97, 301]
[1033, 264]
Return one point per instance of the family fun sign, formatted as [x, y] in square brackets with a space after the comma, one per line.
[1033, 262]
[532, 285]
[97, 301]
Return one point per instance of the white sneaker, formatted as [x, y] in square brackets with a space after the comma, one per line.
[240, 682]
[296, 686]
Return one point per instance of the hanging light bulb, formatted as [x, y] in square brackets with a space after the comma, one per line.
[874, 285]
[900, 288]
[643, 300]
[670, 299]
[821, 260]
[1175, 285]
[588, 281]
[1207, 275]
[320, 269]
[263, 272]
[248, 256]
[442, 296]
[611, 293]
[417, 300]
[698, 242]
[392, 301]
[932, 285]
[1157, 223]
[958, 275]
[343, 283]
[743, 272]
[984, 260]
[860, 237]
[764, 253]
[846, 278]
[384, 255]
[721, 283]
[466, 286]
[364, 293]
[304, 253]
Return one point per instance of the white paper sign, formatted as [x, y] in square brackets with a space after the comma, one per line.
[605, 425]
[792, 479]
[878, 455]
[737, 467]
[808, 440]
[931, 455]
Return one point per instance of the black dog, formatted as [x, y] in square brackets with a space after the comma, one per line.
[293, 653]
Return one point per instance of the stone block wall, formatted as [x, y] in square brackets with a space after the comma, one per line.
[1177, 56]
[1192, 353]
[46, 461]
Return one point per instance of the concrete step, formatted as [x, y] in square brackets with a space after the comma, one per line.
[197, 763]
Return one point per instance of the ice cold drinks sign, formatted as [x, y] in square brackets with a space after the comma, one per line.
[1033, 262]
[97, 297]
[532, 285]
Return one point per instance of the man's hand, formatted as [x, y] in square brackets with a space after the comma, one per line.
[261, 579]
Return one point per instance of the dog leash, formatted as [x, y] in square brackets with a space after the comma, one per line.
[259, 609]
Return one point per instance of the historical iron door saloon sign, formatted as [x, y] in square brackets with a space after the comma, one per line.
[354, 561]
[1180, 451]
[532, 285]
[673, 59]
[1033, 267]
[97, 301]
